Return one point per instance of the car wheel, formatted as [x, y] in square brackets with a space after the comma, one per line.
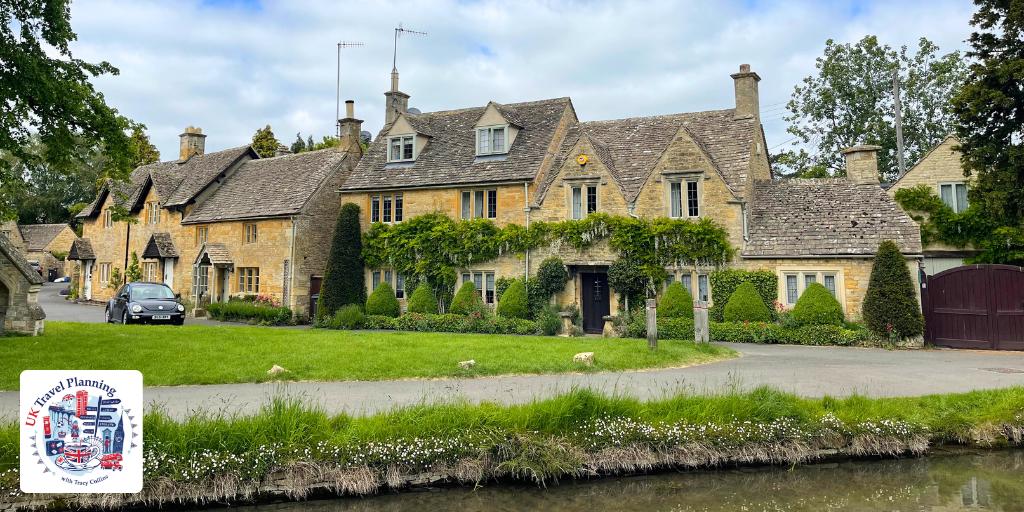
[124, 318]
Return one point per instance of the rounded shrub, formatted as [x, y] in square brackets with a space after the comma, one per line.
[348, 317]
[890, 304]
[423, 300]
[513, 301]
[551, 277]
[746, 305]
[549, 321]
[817, 306]
[382, 302]
[467, 300]
[676, 302]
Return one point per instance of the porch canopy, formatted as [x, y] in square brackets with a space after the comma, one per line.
[160, 246]
[81, 250]
[214, 255]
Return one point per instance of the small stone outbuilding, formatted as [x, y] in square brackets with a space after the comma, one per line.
[19, 292]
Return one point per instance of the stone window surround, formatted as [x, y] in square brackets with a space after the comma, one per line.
[467, 210]
[397, 207]
[582, 182]
[676, 274]
[153, 212]
[248, 279]
[401, 138]
[490, 129]
[108, 218]
[691, 175]
[150, 272]
[202, 235]
[103, 275]
[819, 271]
[396, 280]
[251, 233]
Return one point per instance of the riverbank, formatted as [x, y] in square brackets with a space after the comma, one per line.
[291, 451]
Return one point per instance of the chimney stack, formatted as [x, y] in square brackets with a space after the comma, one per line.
[349, 127]
[862, 164]
[282, 150]
[397, 102]
[747, 103]
[193, 142]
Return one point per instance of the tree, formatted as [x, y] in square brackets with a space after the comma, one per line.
[327, 142]
[850, 101]
[990, 114]
[310, 143]
[513, 301]
[46, 93]
[299, 145]
[264, 142]
[676, 302]
[423, 300]
[628, 280]
[344, 282]
[817, 306]
[48, 193]
[134, 271]
[467, 300]
[143, 151]
[551, 277]
[890, 305]
[382, 302]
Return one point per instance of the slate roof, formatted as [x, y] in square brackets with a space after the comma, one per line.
[631, 147]
[38, 236]
[826, 217]
[13, 255]
[269, 187]
[177, 182]
[81, 249]
[449, 157]
[216, 252]
[159, 246]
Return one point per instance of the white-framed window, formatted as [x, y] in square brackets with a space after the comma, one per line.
[104, 273]
[149, 271]
[402, 148]
[954, 195]
[684, 198]
[386, 275]
[794, 282]
[249, 279]
[250, 233]
[491, 140]
[387, 208]
[483, 281]
[703, 290]
[686, 277]
[108, 218]
[153, 209]
[200, 281]
[202, 234]
[583, 200]
[479, 204]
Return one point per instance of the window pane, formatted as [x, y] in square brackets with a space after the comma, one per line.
[492, 204]
[465, 278]
[489, 294]
[478, 280]
[693, 209]
[483, 146]
[396, 149]
[387, 208]
[478, 204]
[591, 199]
[375, 281]
[675, 194]
[830, 283]
[791, 292]
[702, 287]
[407, 148]
[576, 202]
[810, 279]
[466, 199]
[687, 283]
[375, 209]
[399, 286]
[946, 192]
[961, 198]
[398, 207]
[498, 142]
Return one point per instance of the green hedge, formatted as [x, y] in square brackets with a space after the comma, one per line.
[348, 317]
[746, 305]
[763, 332]
[668, 328]
[452, 323]
[244, 311]
[724, 282]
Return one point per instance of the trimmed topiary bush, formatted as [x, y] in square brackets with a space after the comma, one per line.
[551, 277]
[343, 282]
[676, 302]
[348, 317]
[383, 302]
[890, 304]
[817, 306]
[467, 300]
[513, 301]
[423, 300]
[724, 283]
[746, 305]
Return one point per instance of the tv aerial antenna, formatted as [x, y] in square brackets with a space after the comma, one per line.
[399, 30]
[337, 88]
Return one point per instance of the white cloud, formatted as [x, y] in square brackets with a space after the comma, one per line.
[235, 67]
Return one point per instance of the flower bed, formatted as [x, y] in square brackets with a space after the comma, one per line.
[255, 310]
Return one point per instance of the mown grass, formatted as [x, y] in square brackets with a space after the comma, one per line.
[168, 355]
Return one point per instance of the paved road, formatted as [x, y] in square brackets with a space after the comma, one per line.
[808, 371]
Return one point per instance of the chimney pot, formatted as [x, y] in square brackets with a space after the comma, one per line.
[862, 163]
[350, 109]
[744, 68]
[192, 142]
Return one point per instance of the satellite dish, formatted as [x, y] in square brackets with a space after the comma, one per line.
[365, 135]
[414, 110]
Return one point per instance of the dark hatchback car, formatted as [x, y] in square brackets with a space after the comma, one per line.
[145, 303]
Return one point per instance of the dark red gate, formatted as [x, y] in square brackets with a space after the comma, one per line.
[975, 306]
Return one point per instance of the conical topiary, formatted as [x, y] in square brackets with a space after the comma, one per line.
[344, 281]
[746, 305]
[383, 302]
[467, 300]
[890, 304]
[513, 302]
[817, 306]
[676, 302]
[423, 300]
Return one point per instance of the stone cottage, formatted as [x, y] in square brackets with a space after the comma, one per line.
[517, 162]
[47, 244]
[216, 225]
[19, 292]
[940, 170]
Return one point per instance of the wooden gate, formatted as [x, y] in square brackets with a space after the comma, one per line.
[975, 306]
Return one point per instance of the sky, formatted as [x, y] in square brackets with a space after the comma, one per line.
[232, 66]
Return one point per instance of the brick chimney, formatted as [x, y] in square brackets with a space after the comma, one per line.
[397, 102]
[349, 127]
[747, 103]
[862, 164]
[193, 142]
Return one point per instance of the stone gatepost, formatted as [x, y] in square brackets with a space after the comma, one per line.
[566, 323]
[701, 332]
[609, 327]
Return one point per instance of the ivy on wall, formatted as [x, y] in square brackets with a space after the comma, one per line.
[939, 223]
[434, 246]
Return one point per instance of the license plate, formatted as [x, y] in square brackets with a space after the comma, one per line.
[161, 317]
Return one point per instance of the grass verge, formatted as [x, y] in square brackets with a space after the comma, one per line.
[168, 355]
[290, 450]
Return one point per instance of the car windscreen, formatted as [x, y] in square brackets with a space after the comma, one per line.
[151, 291]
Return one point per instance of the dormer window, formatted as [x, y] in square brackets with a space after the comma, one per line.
[402, 148]
[491, 140]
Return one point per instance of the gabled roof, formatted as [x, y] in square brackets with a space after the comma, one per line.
[160, 246]
[13, 255]
[177, 182]
[631, 147]
[826, 217]
[919, 161]
[81, 250]
[38, 236]
[269, 187]
[449, 157]
[216, 253]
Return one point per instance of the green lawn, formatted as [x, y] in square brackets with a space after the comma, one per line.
[168, 355]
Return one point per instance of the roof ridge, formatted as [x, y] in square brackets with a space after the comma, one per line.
[484, 106]
[658, 116]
